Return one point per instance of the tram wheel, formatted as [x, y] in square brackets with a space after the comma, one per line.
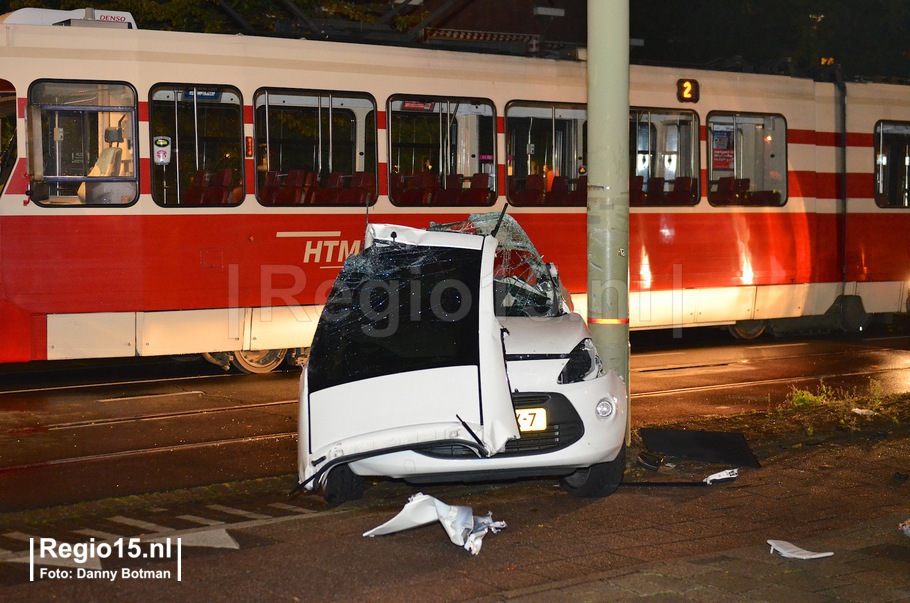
[747, 329]
[257, 361]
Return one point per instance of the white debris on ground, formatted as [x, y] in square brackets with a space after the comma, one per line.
[463, 527]
[791, 551]
[863, 412]
[905, 527]
[722, 476]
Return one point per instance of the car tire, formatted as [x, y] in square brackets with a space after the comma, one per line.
[342, 485]
[597, 480]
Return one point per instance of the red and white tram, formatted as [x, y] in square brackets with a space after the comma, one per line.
[175, 193]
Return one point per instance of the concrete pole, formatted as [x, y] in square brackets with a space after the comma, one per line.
[608, 181]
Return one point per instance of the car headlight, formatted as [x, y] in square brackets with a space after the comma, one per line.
[583, 364]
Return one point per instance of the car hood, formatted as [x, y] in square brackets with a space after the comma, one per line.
[529, 337]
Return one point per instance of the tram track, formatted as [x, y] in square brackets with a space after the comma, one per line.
[152, 434]
[144, 417]
[105, 384]
[271, 437]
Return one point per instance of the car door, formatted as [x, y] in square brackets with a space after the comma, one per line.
[408, 353]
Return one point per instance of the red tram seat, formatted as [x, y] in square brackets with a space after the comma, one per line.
[655, 193]
[219, 190]
[395, 185]
[359, 193]
[196, 191]
[768, 198]
[725, 193]
[292, 191]
[479, 192]
[682, 193]
[310, 185]
[741, 189]
[451, 194]
[329, 194]
[559, 191]
[365, 180]
[636, 184]
[579, 197]
[532, 193]
[237, 195]
[421, 191]
[269, 189]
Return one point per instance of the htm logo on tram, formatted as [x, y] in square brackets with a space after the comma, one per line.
[329, 250]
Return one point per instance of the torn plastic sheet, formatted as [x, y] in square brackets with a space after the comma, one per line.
[463, 527]
[722, 476]
[791, 551]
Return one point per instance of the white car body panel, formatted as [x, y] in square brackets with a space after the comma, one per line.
[425, 425]
[416, 407]
[601, 442]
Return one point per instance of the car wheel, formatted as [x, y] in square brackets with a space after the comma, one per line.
[597, 480]
[342, 485]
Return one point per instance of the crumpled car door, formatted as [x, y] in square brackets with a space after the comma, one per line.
[408, 353]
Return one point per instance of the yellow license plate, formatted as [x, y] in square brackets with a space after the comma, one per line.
[531, 419]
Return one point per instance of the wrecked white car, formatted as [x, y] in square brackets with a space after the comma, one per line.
[450, 354]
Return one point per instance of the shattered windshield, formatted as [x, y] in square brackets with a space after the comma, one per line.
[524, 285]
[397, 308]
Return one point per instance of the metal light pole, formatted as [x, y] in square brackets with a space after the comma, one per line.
[608, 181]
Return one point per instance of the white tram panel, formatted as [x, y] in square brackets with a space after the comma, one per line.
[869, 104]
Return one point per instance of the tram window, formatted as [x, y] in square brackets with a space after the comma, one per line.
[315, 147]
[892, 164]
[663, 160]
[442, 150]
[82, 143]
[747, 159]
[545, 151]
[204, 125]
[8, 151]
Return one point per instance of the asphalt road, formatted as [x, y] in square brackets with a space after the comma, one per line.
[76, 432]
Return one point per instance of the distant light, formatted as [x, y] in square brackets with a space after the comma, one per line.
[549, 11]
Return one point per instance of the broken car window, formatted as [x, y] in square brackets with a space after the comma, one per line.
[397, 308]
[523, 284]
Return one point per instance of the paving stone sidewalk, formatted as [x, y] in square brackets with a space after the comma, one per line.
[847, 494]
[848, 498]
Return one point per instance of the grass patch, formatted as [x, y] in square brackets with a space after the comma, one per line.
[809, 416]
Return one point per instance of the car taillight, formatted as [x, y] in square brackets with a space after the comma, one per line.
[583, 364]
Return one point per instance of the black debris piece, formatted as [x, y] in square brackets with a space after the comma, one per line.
[708, 446]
